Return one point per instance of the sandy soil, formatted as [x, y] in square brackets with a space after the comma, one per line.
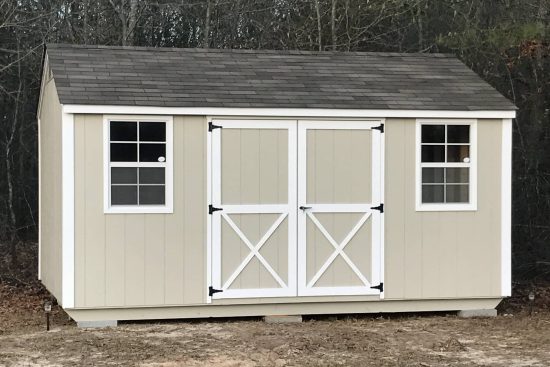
[413, 340]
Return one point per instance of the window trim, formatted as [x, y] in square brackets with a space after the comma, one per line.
[442, 207]
[168, 207]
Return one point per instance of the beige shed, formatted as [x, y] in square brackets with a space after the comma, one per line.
[190, 183]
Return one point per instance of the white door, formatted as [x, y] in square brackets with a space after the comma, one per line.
[340, 213]
[253, 210]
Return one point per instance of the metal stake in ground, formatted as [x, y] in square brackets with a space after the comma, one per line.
[47, 310]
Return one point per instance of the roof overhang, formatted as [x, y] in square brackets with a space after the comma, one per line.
[285, 112]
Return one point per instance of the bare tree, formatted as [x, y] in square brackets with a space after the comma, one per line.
[333, 24]
[128, 15]
[206, 33]
[319, 28]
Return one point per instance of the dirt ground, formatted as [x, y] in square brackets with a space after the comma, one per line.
[516, 338]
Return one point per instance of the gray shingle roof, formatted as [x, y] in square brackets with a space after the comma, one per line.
[170, 77]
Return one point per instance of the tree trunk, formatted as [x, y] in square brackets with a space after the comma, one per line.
[319, 29]
[333, 24]
[420, 26]
[9, 169]
[206, 35]
[132, 22]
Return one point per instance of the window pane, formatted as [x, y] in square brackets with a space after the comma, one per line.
[151, 195]
[457, 175]
[432, 175]
[433, 133]
[457, 153]
[152, 131]
[433, 153]
[151, 175]
[458, 133]
[123, 195]
[457, 193]
[432, 193]
[152, 152]
[123, 152]
[123, 131]
[123, 175]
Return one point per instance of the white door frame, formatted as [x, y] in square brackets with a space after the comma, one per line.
[306, 288]
[287, 211]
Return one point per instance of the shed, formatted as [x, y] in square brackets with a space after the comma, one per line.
[190, 183]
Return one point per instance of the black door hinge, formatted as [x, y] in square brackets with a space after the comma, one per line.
[380, 208]
[380, 128]
[211, 291]
[380, 287]
[212, 209]
[211, 126]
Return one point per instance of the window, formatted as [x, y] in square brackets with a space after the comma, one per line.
[138, 165]
[446, 165]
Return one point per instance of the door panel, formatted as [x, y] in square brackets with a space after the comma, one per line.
[254, 184]
[339, 247]
[262, 244]
[332, 176]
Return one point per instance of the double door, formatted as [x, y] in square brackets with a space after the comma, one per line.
[295, 208]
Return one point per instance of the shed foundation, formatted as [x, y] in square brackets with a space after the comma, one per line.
[477, 313]
[97, 324]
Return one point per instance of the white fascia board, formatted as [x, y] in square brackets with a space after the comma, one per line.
[284, 112]
[67, 216]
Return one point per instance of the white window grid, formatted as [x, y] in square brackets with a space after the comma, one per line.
[471, 165]
[167, 165]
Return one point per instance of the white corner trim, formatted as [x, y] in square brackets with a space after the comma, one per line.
[445, 207]
[168, 208]
[506, 209]
[67, 199]
[284, 112]
[39, 200]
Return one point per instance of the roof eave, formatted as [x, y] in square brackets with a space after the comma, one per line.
[287, 112]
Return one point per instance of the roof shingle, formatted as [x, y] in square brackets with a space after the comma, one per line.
[172, 77]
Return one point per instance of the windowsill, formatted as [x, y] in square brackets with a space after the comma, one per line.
[446, 207]
[139, 210]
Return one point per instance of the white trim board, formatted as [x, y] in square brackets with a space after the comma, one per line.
[39, 123]
[67, 220]
[285, 112]
[506, 209]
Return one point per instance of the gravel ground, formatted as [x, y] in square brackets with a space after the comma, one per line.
[517, 339]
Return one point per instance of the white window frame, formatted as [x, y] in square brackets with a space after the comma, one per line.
[472, 165]
[168, 206]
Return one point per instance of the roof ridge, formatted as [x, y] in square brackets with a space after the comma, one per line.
[250, 51]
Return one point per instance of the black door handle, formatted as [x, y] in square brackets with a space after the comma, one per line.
[305, 207]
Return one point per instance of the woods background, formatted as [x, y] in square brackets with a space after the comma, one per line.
[504, 41]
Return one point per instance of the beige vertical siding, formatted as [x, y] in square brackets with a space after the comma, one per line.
[140, 259]
[159, 259]
[441, 254]
[50, 179]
